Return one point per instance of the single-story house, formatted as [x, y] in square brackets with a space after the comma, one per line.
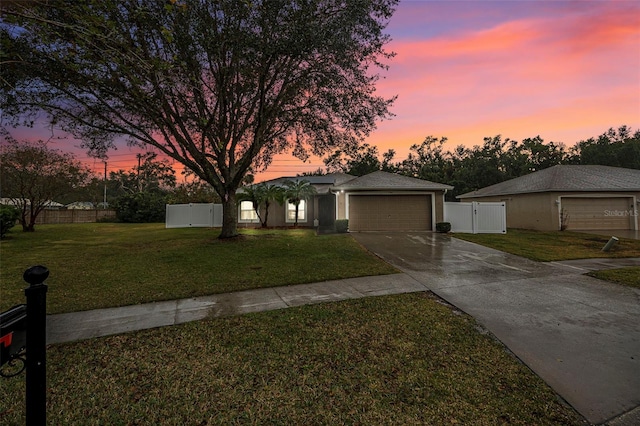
[572, 197]
[19, 202]
[81, 205]
[379, 201]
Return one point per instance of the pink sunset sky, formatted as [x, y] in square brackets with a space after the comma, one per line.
[564, 70]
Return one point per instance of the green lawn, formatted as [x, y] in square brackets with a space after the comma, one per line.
[626, 276]
[106, 264]
[553, 246]
[402, 359]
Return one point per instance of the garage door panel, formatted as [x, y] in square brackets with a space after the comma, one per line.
[598, 213]
[389, 212]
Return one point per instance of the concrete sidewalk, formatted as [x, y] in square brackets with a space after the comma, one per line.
[103, 322]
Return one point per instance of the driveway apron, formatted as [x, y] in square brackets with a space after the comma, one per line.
[579, 334]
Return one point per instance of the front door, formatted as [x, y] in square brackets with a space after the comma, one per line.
[326, 211]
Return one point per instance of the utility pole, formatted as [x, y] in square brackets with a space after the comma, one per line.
[138, 173]
[104, 200]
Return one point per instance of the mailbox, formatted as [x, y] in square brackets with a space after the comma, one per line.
[13, 332]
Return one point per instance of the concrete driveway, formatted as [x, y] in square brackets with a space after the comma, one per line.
[581, 335]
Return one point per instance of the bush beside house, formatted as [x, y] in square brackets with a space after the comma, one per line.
[342, 225]
[443, 227]
[8, 217]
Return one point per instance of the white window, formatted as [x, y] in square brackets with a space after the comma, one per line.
[247, 213]
[302, 212]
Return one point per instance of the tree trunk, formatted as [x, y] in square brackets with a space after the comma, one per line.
[28, 221]
[266, 214]
[229, 216]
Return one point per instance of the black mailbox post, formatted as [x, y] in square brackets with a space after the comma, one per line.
[23, 339]
[36, 389]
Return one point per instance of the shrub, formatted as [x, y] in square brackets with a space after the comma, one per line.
[342, 225]
[8, 217]
[443, 227]
[142, 207]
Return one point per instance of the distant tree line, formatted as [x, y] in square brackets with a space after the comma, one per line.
[495, 161]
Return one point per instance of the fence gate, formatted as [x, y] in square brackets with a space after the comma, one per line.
[193, 215]
[476, 218]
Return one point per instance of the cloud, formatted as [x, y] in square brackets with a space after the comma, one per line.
[531, 75]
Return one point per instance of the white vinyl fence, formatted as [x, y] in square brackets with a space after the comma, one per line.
[194, 215]
[476, 218]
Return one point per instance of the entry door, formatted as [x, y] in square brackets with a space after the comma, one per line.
[326, 210]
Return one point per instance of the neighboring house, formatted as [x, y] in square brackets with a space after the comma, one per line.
[17, 202]
[379, 201]
[81, 205]
[572, 197]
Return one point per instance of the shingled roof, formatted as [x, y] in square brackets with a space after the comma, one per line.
[565, 178]
[323, 183]
[390, 181]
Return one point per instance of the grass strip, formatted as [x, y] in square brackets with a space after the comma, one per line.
[104, 265]
[554, 246]
[626, 276]
[403, 359]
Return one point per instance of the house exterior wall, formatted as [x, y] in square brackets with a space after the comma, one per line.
[439, 204]
[341, 206]
[542, 211]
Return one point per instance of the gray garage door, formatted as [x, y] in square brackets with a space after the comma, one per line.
[598, 213]
[390, 212]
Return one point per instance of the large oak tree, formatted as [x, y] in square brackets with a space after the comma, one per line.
[220, 86]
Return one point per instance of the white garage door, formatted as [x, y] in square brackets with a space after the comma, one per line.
[390, 212]
[598, 213]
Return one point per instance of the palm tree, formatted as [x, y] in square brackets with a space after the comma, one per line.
[296, 191]
[270, 193]
[254, 194]
[262, 194]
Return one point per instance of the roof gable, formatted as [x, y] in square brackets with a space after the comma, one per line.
[328, 179]
[376, 181]
[565, 178]
[322, 183]
[380, 180]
